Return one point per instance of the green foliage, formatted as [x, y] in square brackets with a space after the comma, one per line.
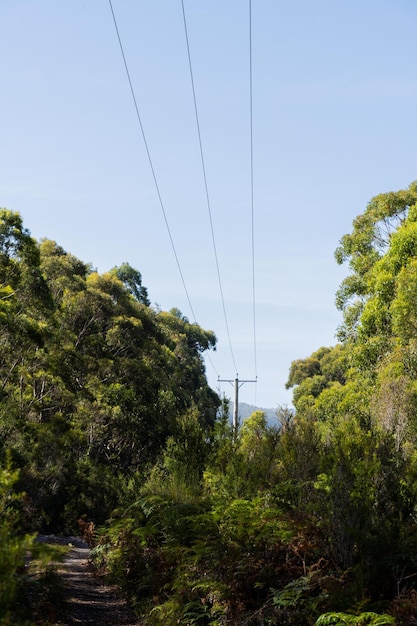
[403, 307]
[106, 411]
[340, 619]
[299, 600]
[363, 402]
[347, 483]
[298, 457]
[13, 545]
[245, 466]
[311, 376]
[132, 279]
[370, 239]
[93, 380]
[336, 500]
[195, 552]
[187, 451]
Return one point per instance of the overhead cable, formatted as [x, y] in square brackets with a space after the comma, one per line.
[132, 91]
[252, 186]
[150, 160]
[206, 185]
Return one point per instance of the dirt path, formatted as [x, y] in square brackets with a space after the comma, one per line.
[88, 600]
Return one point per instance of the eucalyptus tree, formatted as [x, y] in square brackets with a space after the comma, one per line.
[366, 246]
[93, 380]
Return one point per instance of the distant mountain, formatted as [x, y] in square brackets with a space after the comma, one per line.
[246, 410]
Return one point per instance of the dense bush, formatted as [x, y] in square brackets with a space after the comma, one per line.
[13, 546]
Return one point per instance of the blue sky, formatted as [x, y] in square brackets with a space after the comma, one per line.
[334, 123]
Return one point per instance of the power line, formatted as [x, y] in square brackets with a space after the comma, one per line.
[150, 159]
[252, 186]
[132, 91]
[204, 176]
[206, 185]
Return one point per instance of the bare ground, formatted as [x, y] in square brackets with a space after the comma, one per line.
[88, 600]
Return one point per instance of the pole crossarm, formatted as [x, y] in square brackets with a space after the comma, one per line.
[237, 384]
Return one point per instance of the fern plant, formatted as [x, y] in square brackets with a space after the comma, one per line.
[344, 619]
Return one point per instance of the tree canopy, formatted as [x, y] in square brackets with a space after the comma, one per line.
[93, 379]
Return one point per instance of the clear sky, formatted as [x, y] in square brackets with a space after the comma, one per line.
[334, 123]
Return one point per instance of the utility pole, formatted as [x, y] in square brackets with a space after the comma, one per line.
[237, 384]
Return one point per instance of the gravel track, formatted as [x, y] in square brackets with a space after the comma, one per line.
[88, 600]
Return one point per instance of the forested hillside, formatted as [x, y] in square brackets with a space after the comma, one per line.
[106, 412]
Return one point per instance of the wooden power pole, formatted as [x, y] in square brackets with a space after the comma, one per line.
[237, 384]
